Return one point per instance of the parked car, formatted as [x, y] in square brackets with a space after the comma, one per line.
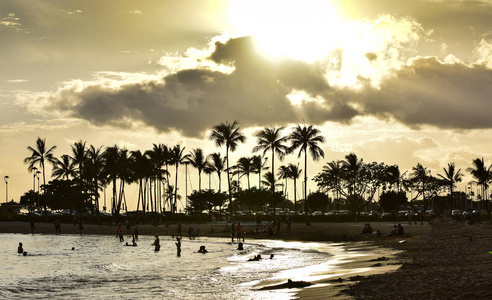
[386, 214]
[455, 212]
[374, 213]
[318, 213]
[429, 212]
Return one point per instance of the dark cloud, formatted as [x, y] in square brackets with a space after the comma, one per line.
[426, 92]
[191, 101]
[429, 92]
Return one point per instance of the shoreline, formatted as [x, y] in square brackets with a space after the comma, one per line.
[442, 260]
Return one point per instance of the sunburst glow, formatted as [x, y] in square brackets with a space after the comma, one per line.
[304, 30]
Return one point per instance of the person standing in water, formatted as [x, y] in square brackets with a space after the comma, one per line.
[135, 232]
[178, 246]
[156, 243]
[239, 230]
[20, 250]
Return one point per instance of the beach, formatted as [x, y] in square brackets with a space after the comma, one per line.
[441, 260]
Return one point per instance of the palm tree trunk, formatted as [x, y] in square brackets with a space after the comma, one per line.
[229, 180]
[273, 187]
[305, 189]
[295, 197]
[175, 207]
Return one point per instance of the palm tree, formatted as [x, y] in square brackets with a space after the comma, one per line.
[141, 167]
[353, 169]
[270, 139]
[228, 134]
[481, 173]
[332, 175]
[177, 158]
[198, 160]
[112, 171]
[294, 173]
[421, 175]
[39, 156]
[451, 176]
[244, 167]
[217, 163]
[79, 156]
[393, 176]
[64, 168]
[209, 169]
[93, 170]
[283, 173]
[306, 138]
[258, 166]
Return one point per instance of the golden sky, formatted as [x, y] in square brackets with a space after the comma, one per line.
[399, 82]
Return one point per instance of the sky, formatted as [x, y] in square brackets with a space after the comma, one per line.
[399, 82]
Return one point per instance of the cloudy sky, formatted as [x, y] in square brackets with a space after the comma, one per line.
[399, 82]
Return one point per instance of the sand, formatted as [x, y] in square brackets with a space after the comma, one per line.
[442, 260]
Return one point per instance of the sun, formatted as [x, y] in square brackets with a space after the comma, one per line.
[305, 30]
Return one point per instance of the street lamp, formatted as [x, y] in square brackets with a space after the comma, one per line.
[34, 185]
[6, 178]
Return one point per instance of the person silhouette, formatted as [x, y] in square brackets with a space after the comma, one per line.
[156, 243]
[178, 246]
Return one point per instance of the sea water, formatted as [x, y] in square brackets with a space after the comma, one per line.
[102, 267]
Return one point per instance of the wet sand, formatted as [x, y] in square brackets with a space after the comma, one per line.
[442, 260]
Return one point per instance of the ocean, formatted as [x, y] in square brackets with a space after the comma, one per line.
[101, 267]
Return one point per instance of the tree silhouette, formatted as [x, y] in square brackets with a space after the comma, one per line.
[228, 134]
[306, 138]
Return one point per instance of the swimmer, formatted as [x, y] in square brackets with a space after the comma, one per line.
[202, 250]
[20, 249]
[240, 246]
[255, 258]
[271, 256]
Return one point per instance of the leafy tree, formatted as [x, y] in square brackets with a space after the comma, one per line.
[28, 201]
[253, 198]
[200, 201]
[318, 201]
[391, 200]
[67, 194]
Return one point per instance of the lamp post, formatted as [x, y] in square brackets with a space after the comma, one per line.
[6, 178]
[34, 185]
